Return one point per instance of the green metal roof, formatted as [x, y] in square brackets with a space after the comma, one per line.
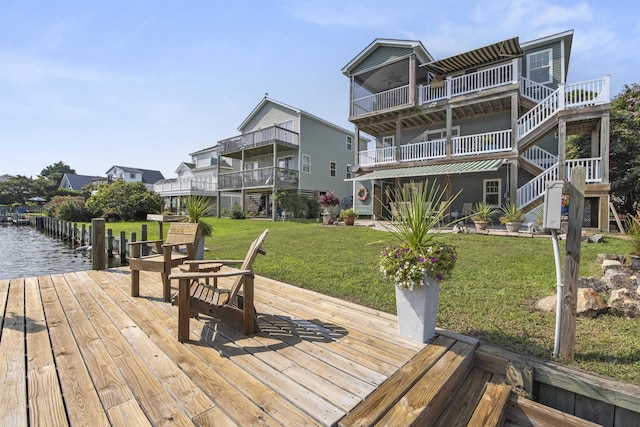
[442, 169]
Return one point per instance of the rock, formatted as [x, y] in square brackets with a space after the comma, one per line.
[602, 257]
[590, 303]
[595, 284]
[609, 264]
[625, 303]
[614, 279]
[596, 238]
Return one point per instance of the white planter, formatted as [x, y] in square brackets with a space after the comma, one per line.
[417, 310]
[513, 227]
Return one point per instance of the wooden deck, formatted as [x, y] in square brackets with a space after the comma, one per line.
[77, 349]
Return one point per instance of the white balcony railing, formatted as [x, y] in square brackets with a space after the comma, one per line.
[257, 178]
[533, 90]
[534, 189]
[378, 156]
[499, 75]
[591, 166]
[539, 157]
[482, 143]
[391, 98]
[425, 150]
[185, 185]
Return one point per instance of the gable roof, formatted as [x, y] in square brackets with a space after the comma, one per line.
[78, 181]
[148, 176]
[414, 45]
[565, 37]
[296, 111]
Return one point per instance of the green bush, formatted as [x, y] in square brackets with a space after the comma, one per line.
[73, 210]
[237, 212]
[125, 201]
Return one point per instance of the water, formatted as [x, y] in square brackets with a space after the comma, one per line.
[26, 252]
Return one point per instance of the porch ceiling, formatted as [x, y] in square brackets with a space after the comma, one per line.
[482, 56]
[441, 169]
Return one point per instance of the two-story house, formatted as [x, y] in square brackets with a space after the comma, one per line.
[75, 182]
[196, 178]
[283, 148]
[146, 176]
[492, 123]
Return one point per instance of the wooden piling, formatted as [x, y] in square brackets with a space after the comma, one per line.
[123, 248]
[572, 264]
[98, 244]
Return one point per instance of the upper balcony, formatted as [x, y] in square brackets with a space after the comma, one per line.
[268, 177]
[438, 89]
[257, 140]
[461, 146]
[184, 187]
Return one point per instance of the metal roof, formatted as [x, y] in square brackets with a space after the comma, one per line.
[442, 169]
[485, 55]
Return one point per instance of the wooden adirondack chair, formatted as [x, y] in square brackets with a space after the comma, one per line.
[227, 304]
[179, 234]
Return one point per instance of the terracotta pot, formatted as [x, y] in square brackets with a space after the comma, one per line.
[349, 220]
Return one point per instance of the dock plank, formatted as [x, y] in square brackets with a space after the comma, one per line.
[80, 397]
[459, 412]
[46, 406]
[13, 393]
[492, 408]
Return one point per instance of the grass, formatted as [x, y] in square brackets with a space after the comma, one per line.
[490, 295]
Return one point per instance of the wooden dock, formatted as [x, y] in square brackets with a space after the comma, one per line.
[77, 349]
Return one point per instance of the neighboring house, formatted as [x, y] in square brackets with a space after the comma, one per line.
[197, 178]
[492, 123]
[283, 148]
[148, 177]
[71, 181]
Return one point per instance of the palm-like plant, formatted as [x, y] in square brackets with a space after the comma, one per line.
[197, 207]
[482, 212]
[511, 213]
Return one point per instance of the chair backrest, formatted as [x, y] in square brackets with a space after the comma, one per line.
[247, 264]
[466, 208]
[182, 232]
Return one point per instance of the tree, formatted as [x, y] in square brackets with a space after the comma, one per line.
[126, 201]
[624, 158]
[49, 179]
[17, 189]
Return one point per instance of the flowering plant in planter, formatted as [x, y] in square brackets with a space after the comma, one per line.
[565, 200]
[405, 267]
[417, 249]
[329, 200]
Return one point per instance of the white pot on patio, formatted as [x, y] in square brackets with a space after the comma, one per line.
[417, 310]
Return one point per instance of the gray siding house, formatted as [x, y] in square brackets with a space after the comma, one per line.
[283, 148]
[492, 123]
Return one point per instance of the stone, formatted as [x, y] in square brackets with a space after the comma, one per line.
[595, 284]
[625, 303]
[610, 264]
[590, 303]
[602, 257]
[596, 238]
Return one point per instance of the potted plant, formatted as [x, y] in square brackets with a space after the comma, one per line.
[481, 214]
[329, 201]
[417, 261]
[197, 207]
[512, 217]
[348, 216]
[437, 82]
[564, 208]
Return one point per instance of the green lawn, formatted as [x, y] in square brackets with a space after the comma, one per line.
[490, 296]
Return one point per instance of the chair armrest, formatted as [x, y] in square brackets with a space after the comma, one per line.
[207, 261]
[199, 275]
[144, 242]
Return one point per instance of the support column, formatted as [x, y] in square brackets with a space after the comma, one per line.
[398, 138]
[448, 145]
[595, 143]
[356, 144]
[604, 148]
[513, 181]
[514, 123]
[562, 149]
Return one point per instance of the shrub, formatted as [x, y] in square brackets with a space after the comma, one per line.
[237, 212]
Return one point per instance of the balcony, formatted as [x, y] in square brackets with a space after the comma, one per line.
[259, 178]
[468, 145]
[184, 187]
[259, 138]
[389, 99]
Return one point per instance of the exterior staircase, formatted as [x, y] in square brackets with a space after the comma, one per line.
[542, 119]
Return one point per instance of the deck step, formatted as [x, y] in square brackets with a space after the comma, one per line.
[420, 390]
[492, 408]
[525, 412]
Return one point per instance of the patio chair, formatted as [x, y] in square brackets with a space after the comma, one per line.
[467, 209]
[233, 305]
[166, 257]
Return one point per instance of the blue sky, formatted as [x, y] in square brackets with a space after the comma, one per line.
[97, 83]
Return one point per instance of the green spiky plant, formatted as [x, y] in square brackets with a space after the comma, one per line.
[198, 207]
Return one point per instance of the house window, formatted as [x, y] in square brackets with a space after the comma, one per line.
[132, 175]
[539, 66]
[286, 162]
[492, 189]
[435, 134]
[306, 163]
[332, 169]
[250, 166]
[348, 172]
[387, 141]
[349, 143]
